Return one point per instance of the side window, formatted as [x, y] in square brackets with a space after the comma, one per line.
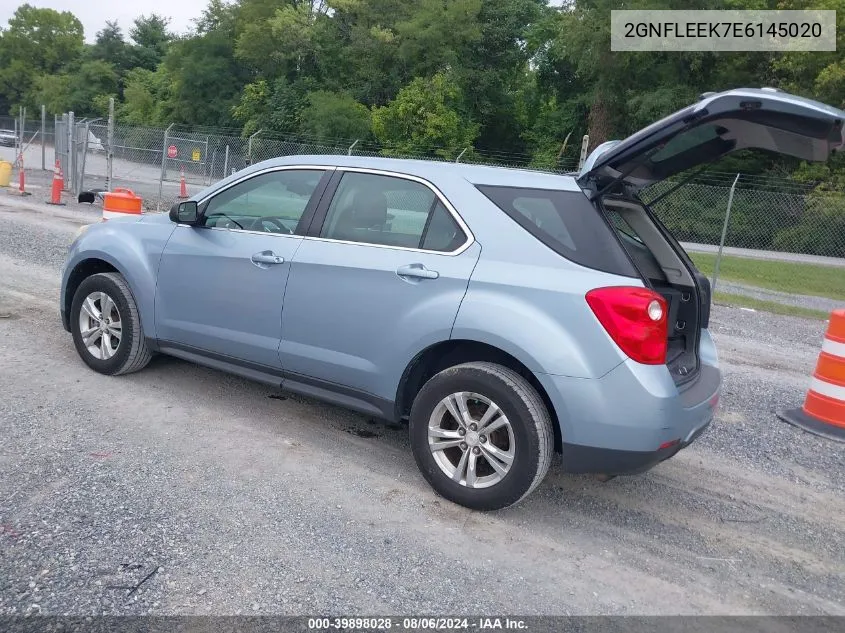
[443, 232]
[390, 211]
[272, 202]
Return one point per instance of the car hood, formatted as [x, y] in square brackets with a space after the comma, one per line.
[718, 124]
[155, 218]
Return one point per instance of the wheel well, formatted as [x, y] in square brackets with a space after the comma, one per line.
[80, 273]
[450, 353]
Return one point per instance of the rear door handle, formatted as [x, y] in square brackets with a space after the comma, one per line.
[267, 257]
[418, 271]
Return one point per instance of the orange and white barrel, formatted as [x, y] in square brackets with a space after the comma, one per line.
[120, 203]
[823, 412]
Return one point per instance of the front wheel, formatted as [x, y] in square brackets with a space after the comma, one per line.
[106, 326]
[481, 435]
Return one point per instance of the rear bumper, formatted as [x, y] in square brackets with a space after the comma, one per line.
[635, 416]
[610, 461]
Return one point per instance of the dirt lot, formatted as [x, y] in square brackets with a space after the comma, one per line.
[228, 497]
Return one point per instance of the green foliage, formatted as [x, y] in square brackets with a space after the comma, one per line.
[205, 80]
[335, 115]
[36, 42]
[522, 77]
[424, 119]
[146, 95]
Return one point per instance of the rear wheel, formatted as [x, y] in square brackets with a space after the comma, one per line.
[481, 435]
[106, 327]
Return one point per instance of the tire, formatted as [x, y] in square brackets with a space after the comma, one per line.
[124, 354]
[529, 440]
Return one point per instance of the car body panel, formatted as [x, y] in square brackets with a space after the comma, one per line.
[538, 315]
[133, 246]
[634, 407]
[350, 319]
[212, 296]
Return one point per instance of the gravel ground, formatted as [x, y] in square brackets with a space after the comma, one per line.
[181, 490]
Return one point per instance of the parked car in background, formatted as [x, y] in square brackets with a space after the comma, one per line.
[8, 138]
[504, 314]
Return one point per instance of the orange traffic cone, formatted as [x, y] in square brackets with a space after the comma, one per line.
[58, 185]
[183, 186]
[823, 412]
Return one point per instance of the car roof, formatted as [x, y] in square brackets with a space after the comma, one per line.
[432, 169]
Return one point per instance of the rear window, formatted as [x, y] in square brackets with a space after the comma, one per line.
[566, 222]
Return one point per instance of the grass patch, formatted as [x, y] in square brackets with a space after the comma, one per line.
[796, 278]
[726, 298]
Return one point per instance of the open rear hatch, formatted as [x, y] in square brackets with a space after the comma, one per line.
[718, 124]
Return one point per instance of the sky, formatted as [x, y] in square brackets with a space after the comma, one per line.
[94, 13]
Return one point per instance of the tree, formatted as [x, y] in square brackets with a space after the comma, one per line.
[150, 32]
[205, 79]
[332, 115]
[151, 41]
[146, 97]
[83, 91]
[37, 41]
[110, 45]
[425, 118]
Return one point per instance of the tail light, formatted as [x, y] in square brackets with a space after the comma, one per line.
[635, 318]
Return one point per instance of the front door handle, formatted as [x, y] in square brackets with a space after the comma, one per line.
[418, 271]
[267, 257]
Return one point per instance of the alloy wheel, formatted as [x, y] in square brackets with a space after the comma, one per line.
[100, 325]
[471, 439]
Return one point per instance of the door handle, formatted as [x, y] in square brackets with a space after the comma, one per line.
[418, 271]
[267, 257]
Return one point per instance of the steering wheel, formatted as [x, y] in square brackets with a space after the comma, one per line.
[261, 225]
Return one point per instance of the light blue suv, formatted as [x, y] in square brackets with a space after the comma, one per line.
[505, 314]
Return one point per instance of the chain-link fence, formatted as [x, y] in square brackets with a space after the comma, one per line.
[766, 214]
[28, 141]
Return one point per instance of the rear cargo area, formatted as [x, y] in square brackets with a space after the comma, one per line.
[665, 268]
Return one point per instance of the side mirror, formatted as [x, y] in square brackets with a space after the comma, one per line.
[185, 212]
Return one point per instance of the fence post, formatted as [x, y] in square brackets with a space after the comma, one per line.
[71, 152]
[61, 137]
[43, 137]
[585, 143]
[249, 147]
[226, 162]
[463, 151]
[163, 167]
[351, 147]
[84, 156]
[110, 142]
[724, 232]
[206, 169]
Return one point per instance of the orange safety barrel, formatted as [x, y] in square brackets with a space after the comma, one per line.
[823, 412]
[120, 203]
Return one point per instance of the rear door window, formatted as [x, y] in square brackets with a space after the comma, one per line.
[390, 211]
[566, 222]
